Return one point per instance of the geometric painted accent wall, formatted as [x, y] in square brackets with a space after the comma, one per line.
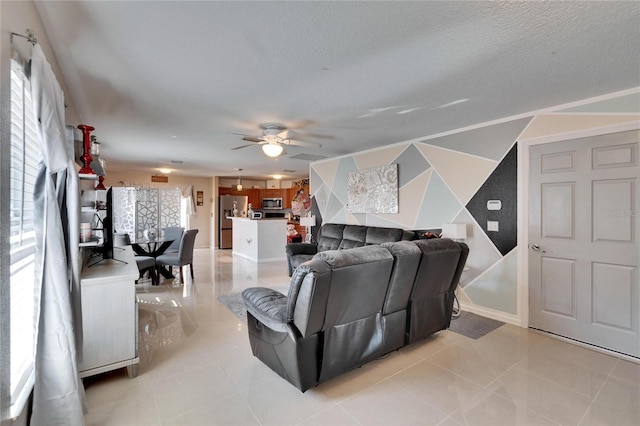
[449, 179]
[501, 186]
[438, 184]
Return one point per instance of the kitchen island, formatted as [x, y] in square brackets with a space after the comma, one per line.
[260, 240]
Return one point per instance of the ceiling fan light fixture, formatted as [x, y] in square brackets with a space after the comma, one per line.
[272, 149]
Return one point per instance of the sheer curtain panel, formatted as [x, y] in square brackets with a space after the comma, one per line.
[58, 397]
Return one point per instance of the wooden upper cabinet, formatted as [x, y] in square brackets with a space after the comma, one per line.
[288, 197]
[254, 197]
[230, 191]
[272, 193]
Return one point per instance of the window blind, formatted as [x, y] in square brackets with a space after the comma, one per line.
[25, 157]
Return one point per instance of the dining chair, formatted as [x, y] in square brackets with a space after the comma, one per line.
[183, 257]
[145, 263]
[173, 233]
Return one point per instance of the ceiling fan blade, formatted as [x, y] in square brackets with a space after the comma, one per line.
[241, 134]
[301, 124]
[241, 146]
[253, 139]
[301, 143]
[288, 134]
[317, 136]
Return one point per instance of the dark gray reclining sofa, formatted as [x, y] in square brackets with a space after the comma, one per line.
[348, 307]
[337, 236]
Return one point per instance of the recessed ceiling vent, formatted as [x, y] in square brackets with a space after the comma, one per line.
[308, 157]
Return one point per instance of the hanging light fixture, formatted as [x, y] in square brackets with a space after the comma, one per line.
[239, 185]
[272, 149]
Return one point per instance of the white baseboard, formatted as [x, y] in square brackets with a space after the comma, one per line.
[490, 313]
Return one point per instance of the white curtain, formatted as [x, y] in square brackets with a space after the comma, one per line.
[187, 193]
[58, 392]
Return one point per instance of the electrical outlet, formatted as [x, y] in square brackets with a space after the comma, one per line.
[492, 225]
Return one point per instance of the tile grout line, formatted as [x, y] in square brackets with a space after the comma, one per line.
[593, 400]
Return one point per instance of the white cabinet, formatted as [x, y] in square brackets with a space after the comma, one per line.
[110, 315]
[260, 240]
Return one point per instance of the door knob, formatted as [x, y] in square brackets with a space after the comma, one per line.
[536, 247]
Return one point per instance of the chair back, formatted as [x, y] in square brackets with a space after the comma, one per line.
[431, 300]
[121, 240]
[173, 233]
[185, 253]
[352, 322]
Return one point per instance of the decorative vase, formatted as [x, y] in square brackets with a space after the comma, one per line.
[150, 234]
[235, 209]
[86, 157]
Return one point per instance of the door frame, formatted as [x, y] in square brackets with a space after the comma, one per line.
[523, 200]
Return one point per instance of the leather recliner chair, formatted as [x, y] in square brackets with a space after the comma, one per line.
[329, 323]
[431, 301]
[347, 307]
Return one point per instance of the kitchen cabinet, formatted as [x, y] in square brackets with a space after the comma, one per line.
[272, 193]
[254, 197]
[230, 191]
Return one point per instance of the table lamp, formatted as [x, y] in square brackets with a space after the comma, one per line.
[308, 222]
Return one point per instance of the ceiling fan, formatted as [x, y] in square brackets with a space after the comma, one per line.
[274, 137]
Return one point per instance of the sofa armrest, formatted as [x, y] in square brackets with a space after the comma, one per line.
[267, 306]
[304, 251]
[301, 248]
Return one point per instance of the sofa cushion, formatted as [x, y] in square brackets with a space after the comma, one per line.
[353, 236]
[406, 258]
[360, 274]
[377, 235]
[330, 236]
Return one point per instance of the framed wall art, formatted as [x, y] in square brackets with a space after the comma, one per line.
[373, 190]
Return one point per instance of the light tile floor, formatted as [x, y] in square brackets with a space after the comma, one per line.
[196, 368]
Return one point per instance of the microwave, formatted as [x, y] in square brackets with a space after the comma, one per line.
[272, 203]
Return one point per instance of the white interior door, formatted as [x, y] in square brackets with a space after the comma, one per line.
[584, 203]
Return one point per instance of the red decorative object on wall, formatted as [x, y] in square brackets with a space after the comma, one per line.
[86, 157]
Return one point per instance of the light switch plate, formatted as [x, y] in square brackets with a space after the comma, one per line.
[492, 225]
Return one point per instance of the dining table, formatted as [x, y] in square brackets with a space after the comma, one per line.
[154, 248]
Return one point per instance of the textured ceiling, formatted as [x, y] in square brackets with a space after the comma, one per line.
[172, 80]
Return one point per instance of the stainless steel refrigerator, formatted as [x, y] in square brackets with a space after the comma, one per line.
[225, 210]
